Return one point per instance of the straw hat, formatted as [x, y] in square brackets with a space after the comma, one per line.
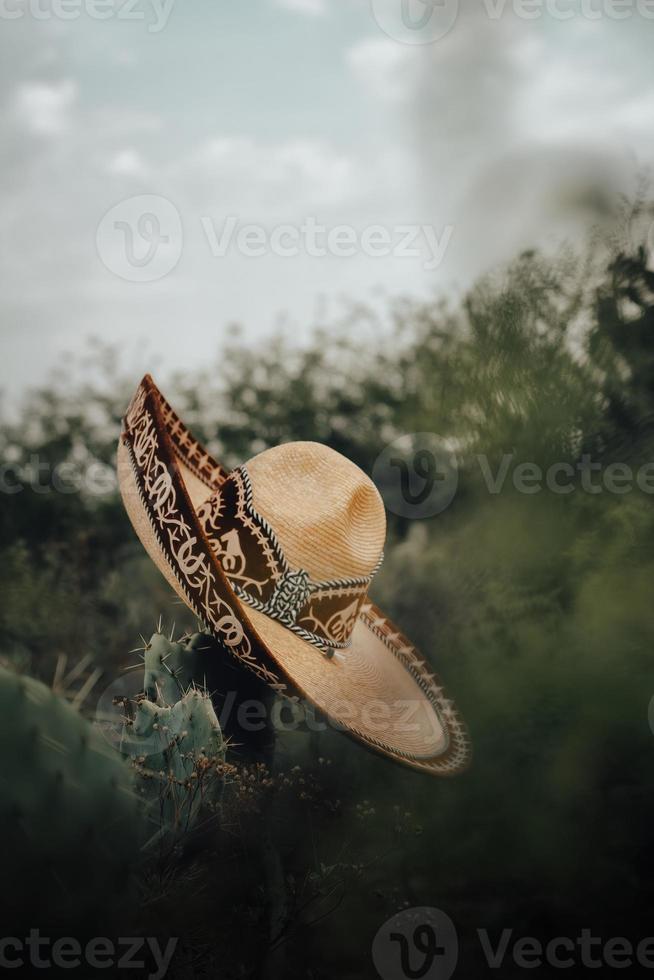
[277, 558]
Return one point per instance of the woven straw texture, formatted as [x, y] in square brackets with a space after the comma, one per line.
[329, 520]
[327, 514]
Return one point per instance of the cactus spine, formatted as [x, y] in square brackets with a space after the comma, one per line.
[174, 737]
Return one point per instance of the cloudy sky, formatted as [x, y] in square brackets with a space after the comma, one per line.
[171, 167]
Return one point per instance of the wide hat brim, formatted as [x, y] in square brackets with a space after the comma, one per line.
[381, 691]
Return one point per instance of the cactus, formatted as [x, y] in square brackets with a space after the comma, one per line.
[178, 750]
[166, 670]
[70, 820]
[189, 729]
[74, 814]
[171, 668]
[173, 736]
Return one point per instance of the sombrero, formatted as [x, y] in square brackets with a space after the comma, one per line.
[276, 557]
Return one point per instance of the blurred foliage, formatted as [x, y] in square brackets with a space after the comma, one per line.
[535, 608]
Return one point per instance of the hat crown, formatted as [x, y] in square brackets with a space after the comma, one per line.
[327, 515]
[200, 526]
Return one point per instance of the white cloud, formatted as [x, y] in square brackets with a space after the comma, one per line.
[584, 100]
[385, 69]
[45, 108]
[315, 8]
[248, 176]
[509, 131]
[128, 163]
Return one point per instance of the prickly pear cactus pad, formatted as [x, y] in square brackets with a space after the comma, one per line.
[171, 667]
[179, 752]
[70, 819]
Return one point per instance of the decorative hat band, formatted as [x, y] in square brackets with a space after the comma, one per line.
[200, 526]
[324, 613]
